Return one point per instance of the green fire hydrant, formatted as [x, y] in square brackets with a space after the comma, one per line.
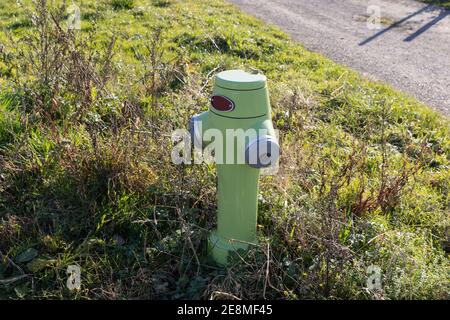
[239, 122]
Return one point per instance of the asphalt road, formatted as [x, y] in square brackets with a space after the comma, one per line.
[410, 50]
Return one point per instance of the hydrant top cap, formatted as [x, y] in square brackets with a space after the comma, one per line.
[240, 80]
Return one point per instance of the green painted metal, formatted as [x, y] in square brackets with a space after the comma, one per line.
[238, 182]
[240, 80]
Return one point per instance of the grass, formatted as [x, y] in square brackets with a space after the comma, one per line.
[441, 3]
[86, 177]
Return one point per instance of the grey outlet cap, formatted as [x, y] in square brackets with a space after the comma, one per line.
[262, 152]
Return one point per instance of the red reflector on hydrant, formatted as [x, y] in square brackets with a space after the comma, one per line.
[221, 103]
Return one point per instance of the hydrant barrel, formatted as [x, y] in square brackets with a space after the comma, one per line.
[240, 110]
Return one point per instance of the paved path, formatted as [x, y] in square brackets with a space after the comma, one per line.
[411, 50]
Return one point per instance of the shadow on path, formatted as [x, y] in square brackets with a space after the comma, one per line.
[442, 14]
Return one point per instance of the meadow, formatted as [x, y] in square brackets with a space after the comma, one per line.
[86, 176]
[442, 3]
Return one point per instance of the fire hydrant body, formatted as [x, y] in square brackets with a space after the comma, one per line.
[240, 111]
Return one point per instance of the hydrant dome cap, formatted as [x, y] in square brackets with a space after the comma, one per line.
[240, 80]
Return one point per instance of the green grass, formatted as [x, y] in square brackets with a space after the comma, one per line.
[122, 4]
[86, 176]
[442, 3]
